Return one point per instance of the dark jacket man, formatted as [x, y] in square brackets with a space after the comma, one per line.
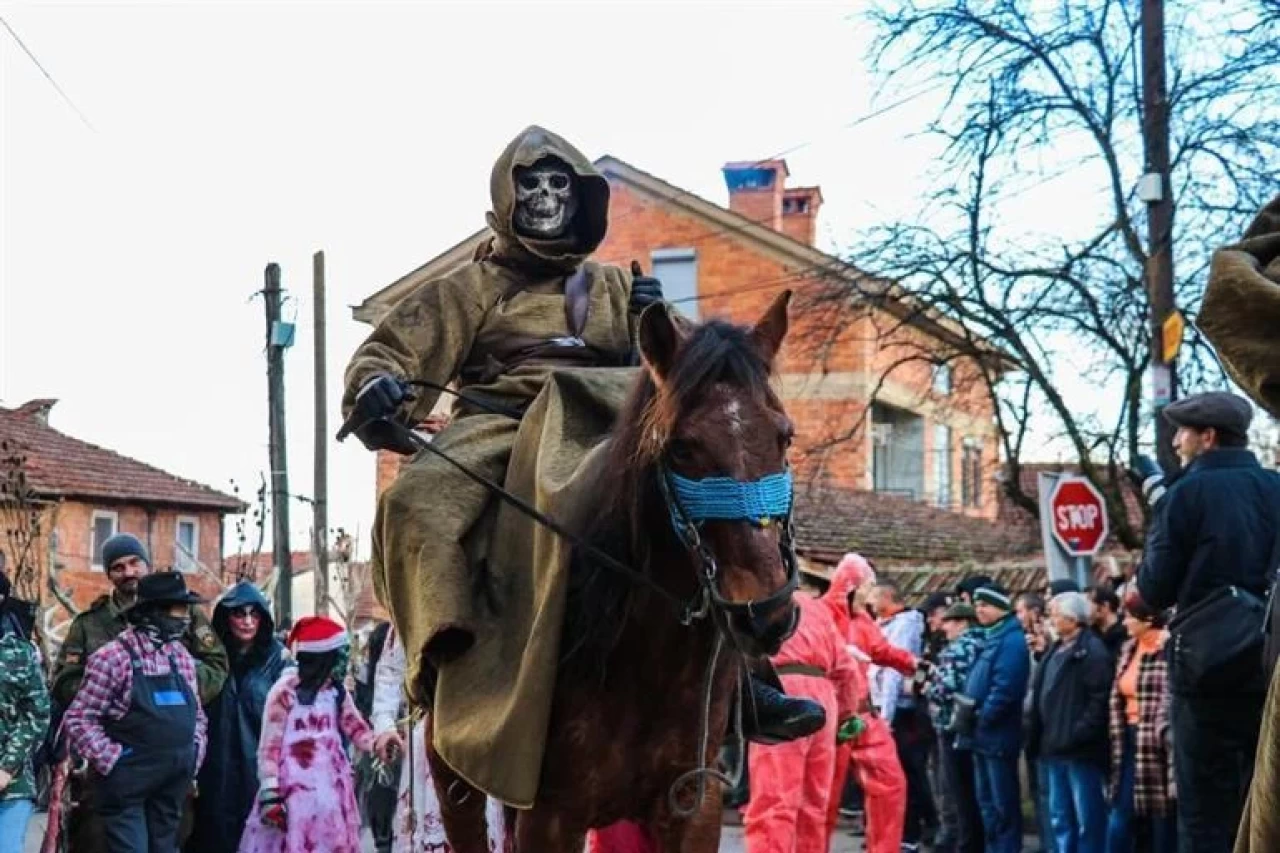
[1069, 717]
[1216, 526]
[229, 777]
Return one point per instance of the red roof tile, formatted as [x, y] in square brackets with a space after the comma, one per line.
[62, 466]
[830, 522]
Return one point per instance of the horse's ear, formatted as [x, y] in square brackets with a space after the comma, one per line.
[772, 328]
[660, 336]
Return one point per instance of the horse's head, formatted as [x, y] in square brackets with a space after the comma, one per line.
[717, 437]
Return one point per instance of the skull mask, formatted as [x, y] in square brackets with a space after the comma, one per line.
[546, 199]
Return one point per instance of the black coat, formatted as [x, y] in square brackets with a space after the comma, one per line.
[1215, 527]
[1069, 716]
[228, 780]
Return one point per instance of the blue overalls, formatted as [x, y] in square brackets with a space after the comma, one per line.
[140, 801]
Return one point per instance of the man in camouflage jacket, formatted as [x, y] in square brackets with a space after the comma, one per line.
[947, 680]
[24, 717]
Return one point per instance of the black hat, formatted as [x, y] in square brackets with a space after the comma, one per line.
[165, 588]
[1062, 585]
[1218, 409]
[123, 545]
[934, 601]
[972, 584]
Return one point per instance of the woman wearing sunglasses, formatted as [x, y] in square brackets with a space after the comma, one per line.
[228, 781]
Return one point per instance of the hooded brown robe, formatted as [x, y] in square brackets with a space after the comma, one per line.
[1241, 318]
[485, 327]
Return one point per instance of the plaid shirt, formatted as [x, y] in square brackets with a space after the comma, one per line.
[104, 695]
[1153, 788]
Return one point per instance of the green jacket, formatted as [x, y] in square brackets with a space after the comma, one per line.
[104, 620]
[24, 714]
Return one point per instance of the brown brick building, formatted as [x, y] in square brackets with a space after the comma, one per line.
[878, 402]
[88, 493]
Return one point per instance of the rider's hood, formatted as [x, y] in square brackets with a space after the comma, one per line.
[589, 222]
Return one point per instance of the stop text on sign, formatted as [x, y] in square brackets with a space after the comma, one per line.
[1079, 517]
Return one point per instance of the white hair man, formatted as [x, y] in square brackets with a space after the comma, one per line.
[1069, 721]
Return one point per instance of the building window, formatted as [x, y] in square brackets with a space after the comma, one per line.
[791, 206]
[971, 473]
[897, 460]
[942, 464]
[105, 525]
[942, 379]
[677, 269]
[186, 549]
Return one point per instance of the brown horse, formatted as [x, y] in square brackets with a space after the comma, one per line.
[635, 682]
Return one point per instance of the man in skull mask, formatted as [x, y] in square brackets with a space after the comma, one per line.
[498, 327]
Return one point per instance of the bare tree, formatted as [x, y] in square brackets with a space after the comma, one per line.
[244, 564]
[28, 522]
[1048, 97]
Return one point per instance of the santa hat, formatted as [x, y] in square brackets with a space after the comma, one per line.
[316, 634]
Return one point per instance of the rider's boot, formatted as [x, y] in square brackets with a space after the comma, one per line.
[770, 716]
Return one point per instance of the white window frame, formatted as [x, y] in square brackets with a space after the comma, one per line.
[179, 557]
[941, 379]
[691, 309]
[93, 527]
[943, 483]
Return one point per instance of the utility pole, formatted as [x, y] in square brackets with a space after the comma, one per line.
[321, 487]
[279, 337]
[1157, 193]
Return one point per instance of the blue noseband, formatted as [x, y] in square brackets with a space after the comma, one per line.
[727, 499]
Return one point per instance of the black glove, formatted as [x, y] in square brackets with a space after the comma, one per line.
[1149, 478]
[645, 289]
[380, 398]
[376, 404]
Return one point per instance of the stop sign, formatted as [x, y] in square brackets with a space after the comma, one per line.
[1079, 521]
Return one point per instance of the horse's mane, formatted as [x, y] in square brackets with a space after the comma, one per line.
[630, 525]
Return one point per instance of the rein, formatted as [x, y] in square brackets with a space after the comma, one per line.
[689, 504]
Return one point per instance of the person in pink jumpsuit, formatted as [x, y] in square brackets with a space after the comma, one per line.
[790, 782]
[306, 798]
[873, 754]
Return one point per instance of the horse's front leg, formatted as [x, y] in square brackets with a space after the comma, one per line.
[698, 833]
[543, 830]
[462, 807]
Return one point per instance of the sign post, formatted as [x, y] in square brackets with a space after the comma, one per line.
[1078, 522]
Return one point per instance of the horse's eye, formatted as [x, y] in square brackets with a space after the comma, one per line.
[785, 440]
[681, 452]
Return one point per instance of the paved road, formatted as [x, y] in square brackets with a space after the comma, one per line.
[730, 843]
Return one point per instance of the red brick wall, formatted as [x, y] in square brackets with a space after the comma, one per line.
[75, 544]
[738, 284]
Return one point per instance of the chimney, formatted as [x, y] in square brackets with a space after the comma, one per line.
[756, 190]
[37, 410]
[800, 213]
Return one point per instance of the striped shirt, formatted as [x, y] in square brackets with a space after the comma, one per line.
[104, 695]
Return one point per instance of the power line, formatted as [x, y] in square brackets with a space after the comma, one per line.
[47, 75]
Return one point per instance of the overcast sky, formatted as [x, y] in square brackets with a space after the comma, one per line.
[224, 136]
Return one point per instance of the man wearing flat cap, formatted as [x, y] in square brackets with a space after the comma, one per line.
[1216, 527]
[137, 720]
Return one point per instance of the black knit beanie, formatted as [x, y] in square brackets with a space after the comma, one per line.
[123, 545]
